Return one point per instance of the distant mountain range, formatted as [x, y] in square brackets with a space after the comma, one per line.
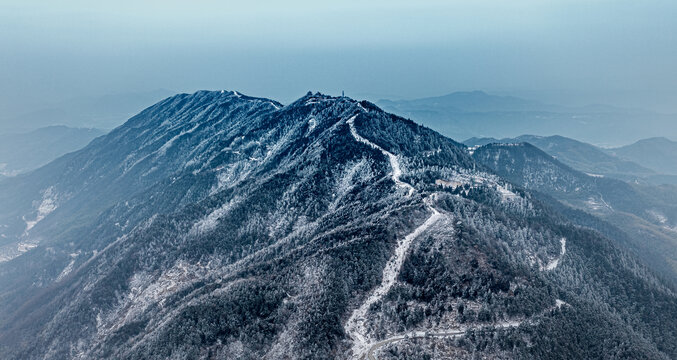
[102, 112]
[27, 151]
[478, 114]
[658, 154]
[649, 161]
[219, 225]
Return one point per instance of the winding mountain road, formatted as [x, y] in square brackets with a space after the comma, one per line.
[392, 158]
[355, 326]
[446, 334]
[376, 346]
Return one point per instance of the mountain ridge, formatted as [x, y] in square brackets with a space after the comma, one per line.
[634, 208]
[579, 155]
[658, 153]
[218, 225]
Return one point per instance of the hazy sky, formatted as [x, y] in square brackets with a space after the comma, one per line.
[568, 51]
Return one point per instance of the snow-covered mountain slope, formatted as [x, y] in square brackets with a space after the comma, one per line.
[581, 156]
[647, 213]
[217, 225]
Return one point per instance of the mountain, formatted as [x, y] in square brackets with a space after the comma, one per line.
[27, 151]
[583, 157]
[102, 112]
[659, 154]
[218, 225]
[647, 213]
[478, 114]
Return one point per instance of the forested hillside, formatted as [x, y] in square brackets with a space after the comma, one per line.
[217, 225]
[646, 214]
[578, 155]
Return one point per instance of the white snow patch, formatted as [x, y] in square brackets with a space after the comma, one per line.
[69, 268]
[231, 175]
[46, 207]
[8, 173]
[448, 184]
[472, 180]
[147, 289]
[598, 204]
[471, 149]
[22, 247]
[509, 324]
[163, 149]
[355, 172]
[552, 265]
[209, 222]
[313, 100]
[559, 303]
[662, 220]
[432, 152]
[658, 216]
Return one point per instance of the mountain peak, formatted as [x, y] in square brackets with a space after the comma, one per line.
[657, 140]
[299, 231]
[217, 95]
[319, 99]
[311, 98]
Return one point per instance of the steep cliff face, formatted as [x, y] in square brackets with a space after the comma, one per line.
[221, 225]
